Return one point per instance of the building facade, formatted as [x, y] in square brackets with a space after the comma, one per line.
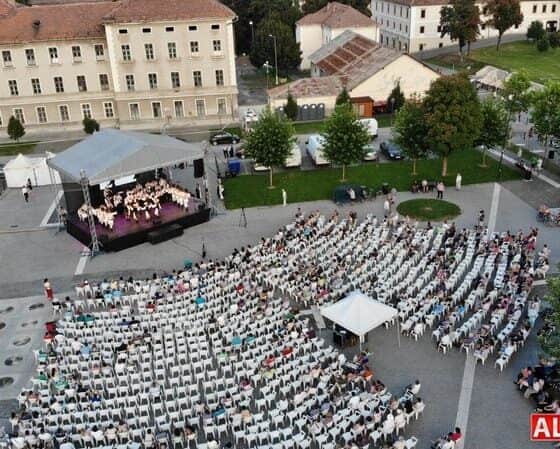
[413, 25]
[124, 63]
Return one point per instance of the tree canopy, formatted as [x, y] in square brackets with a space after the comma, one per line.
[460, 20]
[453, 115]
[495, 125]
[515, 92]
[291, 107]
[536, 30]
[343, 97]
[289, 53]
[271, 141]
[550, 340]
[15, 129]
[545, 113]
[396, 98]
[345, 138]
[410, 131]
[503, 15]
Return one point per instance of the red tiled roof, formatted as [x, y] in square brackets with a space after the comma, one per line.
[6, 8]
[336, 15]
[149, 10]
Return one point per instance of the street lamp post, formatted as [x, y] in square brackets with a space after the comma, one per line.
[392, 109]
[275, 58]
[266, 68]
[252, 32]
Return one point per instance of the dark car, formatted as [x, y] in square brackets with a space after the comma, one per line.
[224, 138]
[391, 150]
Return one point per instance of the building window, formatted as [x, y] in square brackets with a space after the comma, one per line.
[64, 113]
[14, 91]
[200, 108]
[421, 30]
[169, 29]
[152, 80]
[534, 9]
[483, 26]
[149, 50]
[18, 113]
[194, 47]
[130, 82]
[197, 78]
[175, 80]
[221, 106]
[394, 10]
[440, 45]
[76, 53]
[193, 28]
[108, 109]
[126, 54]
[30, 56]
[400, 11]
[36, 86]
[156, 109]
[146, 30]
[422, 13]
[104, 81]
[215, 26]
[53, 55]
[421, 47]
[554, 8]
[172, 50]
[7, 58]
[134, 109]
[543, 8]
[219, 77]
[123, 31]
[439, 28]
[86, 110]
[217, 45]
[82, 86]
[99, 51]
[179, 110]
[41, 114]
[58, 84]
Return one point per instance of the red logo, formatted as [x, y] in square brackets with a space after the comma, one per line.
[545, 427]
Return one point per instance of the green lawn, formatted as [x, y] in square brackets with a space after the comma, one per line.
[251, 190]
[11, 149]
[514, 56]
[425, 209]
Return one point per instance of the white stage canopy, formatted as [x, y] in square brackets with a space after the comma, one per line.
[358, 313]
[112, 154]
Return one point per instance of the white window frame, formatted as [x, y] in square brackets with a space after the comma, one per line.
[220, 48]
[23, 119]
[197, 52]
[218, 105]
[82, 110]
[129, 53]
[194, 79]
[37, 115]
[174, 46]
[100, 57]
[34, 57]
[60, 113]
[151, 54]
[105, 103]
[133, 82]
[54, 83]
[130, 111]
[77, 58]
[108, 82]
[223, 77]
[149, 82]
[160, 109]
[196, 107]
[182, 103]
[10, 88]
[51, 59]
[33, 86]
[9, 63]
[178, 79]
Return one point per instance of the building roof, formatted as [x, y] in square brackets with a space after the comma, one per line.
[86, 19]
[337, 15]
[324, 86]
[354, 57]
[494, 77]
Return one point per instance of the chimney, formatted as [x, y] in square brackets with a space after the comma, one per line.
[36, 25]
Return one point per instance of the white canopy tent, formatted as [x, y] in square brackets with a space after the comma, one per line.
[359, 314]
[21, 168]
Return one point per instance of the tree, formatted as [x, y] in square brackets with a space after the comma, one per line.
[90, 125]
[271, 141]
[15, 129]
[550, 341]
[545, 113]
[536, 30]
[343, 97]
[495, 125]
[396, 98]
[543, 44]
[410, 131]
[453, 116]
[503, 15]
[345, 138]
[460, 20]
[291, 108]
[289, 53]
[515, 92]
[554, 39]
[311, 6]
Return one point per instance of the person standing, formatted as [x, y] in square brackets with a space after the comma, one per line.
[284, 198]
[197, 190]
[440, 189]
[47, 287]
[226, 152]
[29, 185]
[458, 181]
[25, 193]
[481, 219]
[386, 207]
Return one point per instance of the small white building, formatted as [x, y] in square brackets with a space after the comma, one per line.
[317, 29]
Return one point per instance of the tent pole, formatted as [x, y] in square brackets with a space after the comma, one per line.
[398, 332]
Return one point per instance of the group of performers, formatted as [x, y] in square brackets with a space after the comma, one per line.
[143, 201]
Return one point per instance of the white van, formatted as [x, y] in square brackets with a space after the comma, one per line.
[314, 146]
[293, 159]
[370, 124]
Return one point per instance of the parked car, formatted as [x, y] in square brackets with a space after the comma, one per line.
[370, 124]
[293, 160]
[371, 152]
[314, 147]
[224, 138]
[391, 150]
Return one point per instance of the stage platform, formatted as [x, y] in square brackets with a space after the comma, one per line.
[127, 233]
